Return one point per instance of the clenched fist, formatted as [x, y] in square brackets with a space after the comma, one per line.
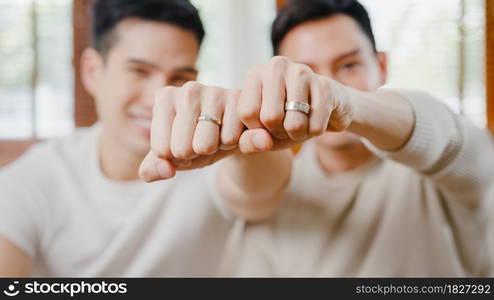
[282, 104]
[272, 88]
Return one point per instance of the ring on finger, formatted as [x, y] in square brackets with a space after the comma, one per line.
[209, 118]
[297, 106]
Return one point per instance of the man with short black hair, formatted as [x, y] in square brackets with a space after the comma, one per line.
[401, 191]
[397, 187]
[73, 206]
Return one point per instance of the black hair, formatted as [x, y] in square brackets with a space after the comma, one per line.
[106, 14]
[296, 12]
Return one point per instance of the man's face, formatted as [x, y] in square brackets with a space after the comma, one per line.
[145, 56]
[336, 47]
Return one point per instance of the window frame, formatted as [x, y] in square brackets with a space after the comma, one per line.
[489, 63]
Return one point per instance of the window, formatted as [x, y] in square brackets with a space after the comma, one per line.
[36, 78]
[237, 37]
[433, 46]
[436, 46]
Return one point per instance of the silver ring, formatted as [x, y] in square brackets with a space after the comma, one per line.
[297, 106]
[209, 119]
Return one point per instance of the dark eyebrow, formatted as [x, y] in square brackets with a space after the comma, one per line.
[143, 62]
[155, 66]
[187, 70]
[340, 57]
[347, 54]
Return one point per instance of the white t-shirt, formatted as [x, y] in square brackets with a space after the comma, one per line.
[57, 206]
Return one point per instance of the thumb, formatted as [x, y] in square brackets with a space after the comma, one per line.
[255, 140]
[154, 168]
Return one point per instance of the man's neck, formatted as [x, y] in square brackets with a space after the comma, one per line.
[339, 160]
[116, 162]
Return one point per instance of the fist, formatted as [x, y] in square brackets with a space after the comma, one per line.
[194, 126]
[268, 89]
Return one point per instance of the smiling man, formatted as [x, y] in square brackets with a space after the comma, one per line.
[392, 184]
[74, 206]
[401, 187]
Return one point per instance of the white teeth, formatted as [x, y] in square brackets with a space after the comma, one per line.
[143, 123]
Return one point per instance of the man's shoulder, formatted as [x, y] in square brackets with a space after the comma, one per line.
[47, 158]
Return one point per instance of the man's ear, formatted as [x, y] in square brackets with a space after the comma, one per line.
[92, 66]
[382, 59]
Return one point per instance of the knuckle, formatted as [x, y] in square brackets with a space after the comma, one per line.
[192, 89]
[248, 112]
[191, 93]
[214, 95]
[191, 85]
[182, 152]
[162, 92]
[323, 84]
[295, 126]
[253, 71]
[316, 130]
[229, 139]
[233, 95]
[278, 64]
[161, 150]
[205, 148]
[276, 70]
[163, 95]
[321, 87]
[302, 71]
[215, 91]
[272, 119]
[279, 61]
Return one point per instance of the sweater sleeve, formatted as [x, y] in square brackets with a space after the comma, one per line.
[453, 153]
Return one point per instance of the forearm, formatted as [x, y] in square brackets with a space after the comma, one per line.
[384, 118]
[252, 185]
[13, 261]
[450, 151]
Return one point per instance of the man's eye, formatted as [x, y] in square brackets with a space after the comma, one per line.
[140, 72]
[349, 66]
[179, 81]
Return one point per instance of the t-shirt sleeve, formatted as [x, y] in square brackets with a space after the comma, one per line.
[452, 152]
[21, 220]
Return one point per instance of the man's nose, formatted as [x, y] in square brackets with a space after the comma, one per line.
[326, 72]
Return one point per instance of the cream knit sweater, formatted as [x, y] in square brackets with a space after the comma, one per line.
[419, 211]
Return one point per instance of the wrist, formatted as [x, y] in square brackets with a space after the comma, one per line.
[359, 102]
[383, 117]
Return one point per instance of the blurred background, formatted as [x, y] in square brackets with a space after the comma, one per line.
[445, 47]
